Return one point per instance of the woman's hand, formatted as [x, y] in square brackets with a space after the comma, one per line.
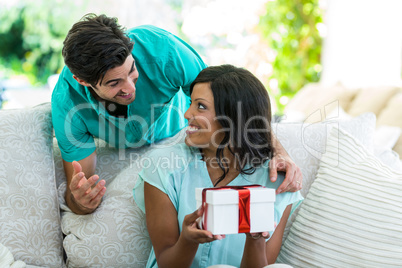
[257, 236]
[192, 233]
[172, 247]
[254, 254]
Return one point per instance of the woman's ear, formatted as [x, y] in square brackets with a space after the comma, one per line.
[82, 82]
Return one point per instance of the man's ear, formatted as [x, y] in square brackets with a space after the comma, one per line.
[82, 82]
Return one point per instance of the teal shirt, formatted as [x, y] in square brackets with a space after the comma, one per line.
[177, 171]
[167, 66]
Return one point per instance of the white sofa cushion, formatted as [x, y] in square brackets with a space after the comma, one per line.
[315, 98]
[392, 116]
[115, 234]
[29, 208]
[385, 137]
[352, 214]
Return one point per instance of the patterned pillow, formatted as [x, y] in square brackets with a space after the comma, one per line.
[29, 209]
[305, 144]
[115, 235]
[351, 216]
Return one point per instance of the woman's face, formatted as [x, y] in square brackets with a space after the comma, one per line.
[204, 130]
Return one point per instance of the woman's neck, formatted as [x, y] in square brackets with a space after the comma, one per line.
[215, 171]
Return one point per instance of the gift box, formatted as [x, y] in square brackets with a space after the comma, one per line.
[236, 209]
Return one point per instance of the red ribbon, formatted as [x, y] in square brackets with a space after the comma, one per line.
[244, 205]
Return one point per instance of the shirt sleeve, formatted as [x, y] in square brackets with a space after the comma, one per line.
[74, 141]
[165, 59]
[285, 199]
[184, 64]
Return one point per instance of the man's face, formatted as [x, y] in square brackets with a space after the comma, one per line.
[118, 84]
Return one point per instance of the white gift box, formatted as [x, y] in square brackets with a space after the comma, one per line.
[222, 210]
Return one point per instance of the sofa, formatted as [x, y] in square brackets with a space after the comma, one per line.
[350, 217]
[316, 102]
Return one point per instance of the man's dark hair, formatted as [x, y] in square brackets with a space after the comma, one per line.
[94, 45]
[243, 110]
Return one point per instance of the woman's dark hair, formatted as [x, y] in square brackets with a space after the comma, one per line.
[243, 110]
[95, 45]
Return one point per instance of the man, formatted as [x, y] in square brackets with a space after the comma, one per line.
[96, 96]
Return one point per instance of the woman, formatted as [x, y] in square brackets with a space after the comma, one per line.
[228, 142]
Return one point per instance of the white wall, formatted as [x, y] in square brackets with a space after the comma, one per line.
[363, 46]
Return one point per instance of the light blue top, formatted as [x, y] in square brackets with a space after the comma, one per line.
[178, 171]
[167, 66]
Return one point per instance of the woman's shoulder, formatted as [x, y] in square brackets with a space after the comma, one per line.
[179, 149]
[172, 156]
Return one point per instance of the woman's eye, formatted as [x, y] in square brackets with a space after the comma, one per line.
[114, 84]
[201, 106]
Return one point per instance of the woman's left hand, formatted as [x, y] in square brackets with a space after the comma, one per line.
[257, 236]
[192, 233]
[293, 179]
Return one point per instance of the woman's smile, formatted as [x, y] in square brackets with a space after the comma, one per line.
[192, 129]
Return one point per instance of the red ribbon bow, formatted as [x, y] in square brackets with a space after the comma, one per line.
[244, 205]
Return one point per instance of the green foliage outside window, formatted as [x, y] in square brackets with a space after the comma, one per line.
[32, 34]
[291, 29]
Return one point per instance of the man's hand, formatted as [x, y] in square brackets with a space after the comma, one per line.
[293, 179]
[84, 193]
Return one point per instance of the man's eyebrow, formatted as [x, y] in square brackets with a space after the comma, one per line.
[118, 79]
[132, 67]
[113, 80]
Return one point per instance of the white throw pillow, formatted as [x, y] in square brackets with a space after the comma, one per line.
[351, 216]
[29, 208]
[388, 157]
[386, 136]
[305, 144]
[115, 234]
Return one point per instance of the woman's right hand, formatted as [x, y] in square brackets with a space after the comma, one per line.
[192, 233]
